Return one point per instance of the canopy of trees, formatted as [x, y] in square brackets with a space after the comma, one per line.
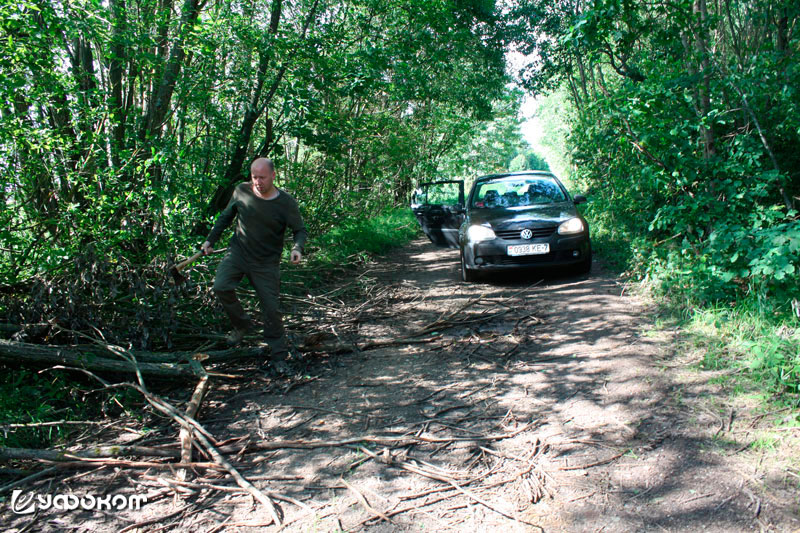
[125, 124]
[685, 130]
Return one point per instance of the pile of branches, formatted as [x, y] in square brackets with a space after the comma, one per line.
[110, 298]
[84, 314]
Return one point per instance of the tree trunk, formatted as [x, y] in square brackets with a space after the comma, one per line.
[234, 171]
[14, 353]
[162, 95]
[709, 149]
[115, 71]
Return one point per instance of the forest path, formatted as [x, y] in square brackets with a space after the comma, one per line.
[533, 405]
[613, 441]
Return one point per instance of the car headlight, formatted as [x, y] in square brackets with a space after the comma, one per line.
[571, 226]
[480, 233]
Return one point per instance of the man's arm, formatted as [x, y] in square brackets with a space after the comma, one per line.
[223, 221]
[299, 234]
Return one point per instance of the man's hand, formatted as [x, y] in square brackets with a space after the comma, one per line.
[207, 249]
[296, 257]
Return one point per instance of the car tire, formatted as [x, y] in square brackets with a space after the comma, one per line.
[467, 275]
[585, 266]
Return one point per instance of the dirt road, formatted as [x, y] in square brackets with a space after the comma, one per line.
[517, 404]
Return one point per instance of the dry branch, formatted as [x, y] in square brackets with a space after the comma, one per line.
[203, 436]
[17, 353]
[592, 465]
[97, 452]
[110, 452]
[185, 435]
[364, 503]
[385, 440]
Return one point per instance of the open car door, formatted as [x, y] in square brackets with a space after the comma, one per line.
[439, 208]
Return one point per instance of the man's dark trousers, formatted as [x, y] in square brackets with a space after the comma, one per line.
[265, 279]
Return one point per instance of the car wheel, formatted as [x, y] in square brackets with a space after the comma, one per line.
[585, 266]
[466, 274]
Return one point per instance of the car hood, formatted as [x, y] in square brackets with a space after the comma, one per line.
[517, 217]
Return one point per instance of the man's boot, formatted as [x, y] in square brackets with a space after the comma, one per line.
[235, 337]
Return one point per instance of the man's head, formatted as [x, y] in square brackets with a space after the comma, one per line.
[262, 172]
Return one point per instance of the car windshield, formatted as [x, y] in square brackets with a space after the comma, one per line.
[517, 191]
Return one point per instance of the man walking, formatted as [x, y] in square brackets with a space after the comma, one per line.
[262, 213]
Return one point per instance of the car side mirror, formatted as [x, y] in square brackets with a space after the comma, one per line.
[458, 209]
[579, 199]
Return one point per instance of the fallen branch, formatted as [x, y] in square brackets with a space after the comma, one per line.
[379, 440]
[364, 503]
[52, 424]
[185, 435]
[96, 452]
[111, 452]
[18, 353]
[28, 479]
[202, 435]
[591, 465]
[139, 525]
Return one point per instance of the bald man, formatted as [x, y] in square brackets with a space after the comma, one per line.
[262, 213]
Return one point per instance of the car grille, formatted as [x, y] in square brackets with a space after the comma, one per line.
[513, 234]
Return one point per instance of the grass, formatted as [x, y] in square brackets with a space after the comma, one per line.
[362, 237]
[752, 341]
[756, 336]
[28, 397]
[352, 243]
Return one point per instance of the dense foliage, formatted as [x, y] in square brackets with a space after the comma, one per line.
[684, 128]
[124, 125]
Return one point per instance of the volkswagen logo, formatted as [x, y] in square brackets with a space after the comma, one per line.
[526, 234]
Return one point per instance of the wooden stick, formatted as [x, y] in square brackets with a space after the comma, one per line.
[97, 452]
[185, 434]
[109, 452]
[598, 463]
[28, 479]
[204, 437]
[241, 481]
[364, 503]
[383, 440]
[78, 462]
[52, 424]
[155, 520]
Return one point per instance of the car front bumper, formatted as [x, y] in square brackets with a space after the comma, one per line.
[492, 255]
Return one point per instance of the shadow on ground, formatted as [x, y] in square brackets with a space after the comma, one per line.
[533, 370]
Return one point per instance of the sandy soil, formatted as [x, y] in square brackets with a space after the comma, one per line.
[532, 405]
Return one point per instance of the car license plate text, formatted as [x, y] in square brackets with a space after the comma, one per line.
[529, 249]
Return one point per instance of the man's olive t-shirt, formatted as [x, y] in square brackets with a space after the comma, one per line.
[260, 225]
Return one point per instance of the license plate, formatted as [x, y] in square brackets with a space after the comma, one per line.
[529, 249]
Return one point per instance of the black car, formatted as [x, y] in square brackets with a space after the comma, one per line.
[514, 220]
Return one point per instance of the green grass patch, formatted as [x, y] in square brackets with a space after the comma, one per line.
[610, 239]
[352, 243]
[748, 337]
[358, 238]
[28, 398]
[766, 443]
